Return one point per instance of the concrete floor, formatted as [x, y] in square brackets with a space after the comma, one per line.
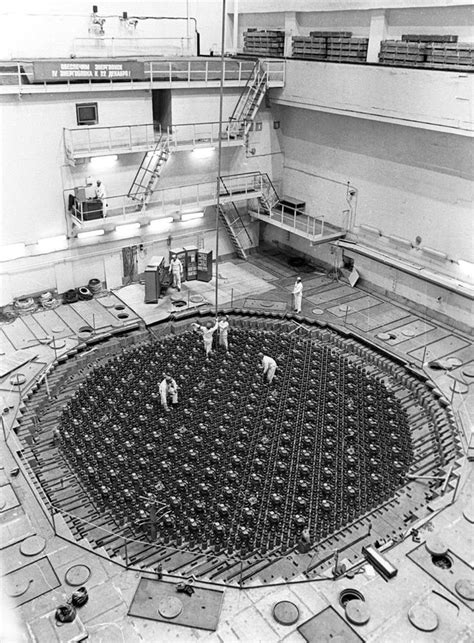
[263, 283]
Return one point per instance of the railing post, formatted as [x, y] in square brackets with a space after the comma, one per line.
[206, 72]
[189, 71]
[130, 136]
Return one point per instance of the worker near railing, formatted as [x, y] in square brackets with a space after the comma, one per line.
[101, 195]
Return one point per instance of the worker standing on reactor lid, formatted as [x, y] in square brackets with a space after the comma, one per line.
[223, 332]
[176, 269]
[167, 387]
[298, 294]
[207, 334]
[269, 367]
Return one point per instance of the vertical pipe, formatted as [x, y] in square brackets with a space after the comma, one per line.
[219, 156]
[235, 35]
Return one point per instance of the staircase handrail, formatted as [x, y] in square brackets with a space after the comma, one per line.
[266, 181]
[244, 95]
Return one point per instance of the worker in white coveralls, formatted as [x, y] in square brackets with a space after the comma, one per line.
[298, 294]
[224, 332]
[176, 270]
[207, 334]
[101, 195]
[269, 367]
[168, 387]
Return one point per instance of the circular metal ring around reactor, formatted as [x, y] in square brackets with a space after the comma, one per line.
[32, 545]
[408, 333]
[468, 371]
[423, 618]
[435, 546]
[345, 308]
[384, 336]
[170, 607]
[318, 311]
[18, 379]
[57, 329]
[196, 299]
[465, 589]
[77, 575]
[357, 612]
[453, 362]
[56, 344]
[459, 387]
[266, 304]
[468, 514]
[285, 613]
[45, 340]
[18, 588]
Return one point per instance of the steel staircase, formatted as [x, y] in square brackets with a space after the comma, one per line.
[230, 216]
[249, 102]
[234, 226]
[269, 198]
[149, 171]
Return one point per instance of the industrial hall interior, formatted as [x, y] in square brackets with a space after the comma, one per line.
[236, 321]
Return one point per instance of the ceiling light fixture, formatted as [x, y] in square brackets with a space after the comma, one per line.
[192, 215]
[90, 233]
[203, 152]
[161, 223]
[102, 162]
[127, 227]
[49, 244]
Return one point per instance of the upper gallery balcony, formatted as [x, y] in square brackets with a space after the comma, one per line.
[75, 75]
[85, 142]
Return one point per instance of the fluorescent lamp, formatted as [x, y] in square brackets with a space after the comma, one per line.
[466, 267]
[103, 161]
[203, 152]
[128, 228]
[49, 244]
[12, 251]
[161, 223]
[90, 233]
[192, 215]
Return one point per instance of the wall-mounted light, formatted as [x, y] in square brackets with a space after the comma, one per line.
[467, 268]
[12, 251]
[90, 233]
[50, 244]
[203, 152]
[128, 228]
[188, 216]
[102, 162]
[156, 224]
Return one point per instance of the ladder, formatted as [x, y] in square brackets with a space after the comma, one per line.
[248, 103]
[149, 171]
[230, 217]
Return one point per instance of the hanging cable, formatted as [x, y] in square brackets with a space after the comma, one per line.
[219, 153]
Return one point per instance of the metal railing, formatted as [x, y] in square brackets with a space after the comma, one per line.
[19, 74]
[82, 142]
[238, 187]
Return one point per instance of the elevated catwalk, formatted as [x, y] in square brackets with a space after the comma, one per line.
[424, 593]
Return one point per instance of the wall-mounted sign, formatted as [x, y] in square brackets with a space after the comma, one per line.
[61, 71]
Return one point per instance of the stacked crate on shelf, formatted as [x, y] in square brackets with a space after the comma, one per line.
[346, 49]
[412, 37]
[330, 45]
[269, 43]
[402, 53]
[309, 47]
[441, 55]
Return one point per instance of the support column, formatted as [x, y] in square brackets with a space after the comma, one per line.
[235, 33]
[377, 33]
[291, 29]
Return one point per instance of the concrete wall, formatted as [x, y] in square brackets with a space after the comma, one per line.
[34, 172]
[51, 28]
[416, 98]
[410, 182]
